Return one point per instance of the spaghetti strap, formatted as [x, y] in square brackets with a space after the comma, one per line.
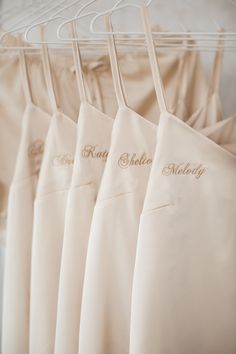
[183, 73]
[24, 73]
[78, 65]
[217, 68]
[154, 62]
[48, 72]
[118, 85]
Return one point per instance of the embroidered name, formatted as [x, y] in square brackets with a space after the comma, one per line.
[63, 160]
[35, 154]
[184, 169]
[36, 148]
[91, 151]
[128, 160]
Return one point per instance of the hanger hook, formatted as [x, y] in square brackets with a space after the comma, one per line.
[79, 16]
[53, 17]
[110, 12]
[85, 7]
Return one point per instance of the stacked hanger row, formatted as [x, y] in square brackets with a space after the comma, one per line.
[49, 13]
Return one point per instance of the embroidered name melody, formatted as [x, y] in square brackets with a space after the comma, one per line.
[63, 160]
[184, 169]
[128, 160]
[91, 151]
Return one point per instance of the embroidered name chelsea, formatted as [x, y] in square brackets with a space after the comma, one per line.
[128, 160]
[184, 169]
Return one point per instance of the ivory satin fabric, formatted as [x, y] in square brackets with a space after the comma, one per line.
[77, 229]
[93, 142]
[19, 232]
[184, 291]
[35, 124]
[73, 194]
[135, 70]
[49, 216]
[183, 297]
[92, 148]
[90, 161]
[211, 109]
[111, 253]
[49, 221]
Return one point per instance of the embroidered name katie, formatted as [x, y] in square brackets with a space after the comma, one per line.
[184, 169]
[91, 151]
[128, 160]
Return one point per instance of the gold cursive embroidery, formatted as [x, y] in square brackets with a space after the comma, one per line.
[63, 160]
[35, 153]
[127, 160]
[36, 148]
[184, 169]
[91, 151]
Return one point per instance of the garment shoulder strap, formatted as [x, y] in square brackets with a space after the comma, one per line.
[214, 83]
[48, 72]
[78, 64]
[184, 71]
[24, 72]
[154, 62]
[118, 85]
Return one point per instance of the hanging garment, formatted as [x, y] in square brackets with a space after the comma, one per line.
[93, 142]
[223, 132]
[135, 70]
[12, 109]
[99, 73]
[35, 124]
[211, 110]
[112, 330]
[179, 103]
[49, 214]
[184, 294]
[190, 74]
[112, 243]
[77, 229]
[136, 73]
[179, 279]
[186, 70]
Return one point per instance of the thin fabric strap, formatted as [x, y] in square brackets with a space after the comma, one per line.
[78, 65]
[24, 72]
[48, 72]
[217, 68]
[119, 89]
[154, 62]
[184, 72]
